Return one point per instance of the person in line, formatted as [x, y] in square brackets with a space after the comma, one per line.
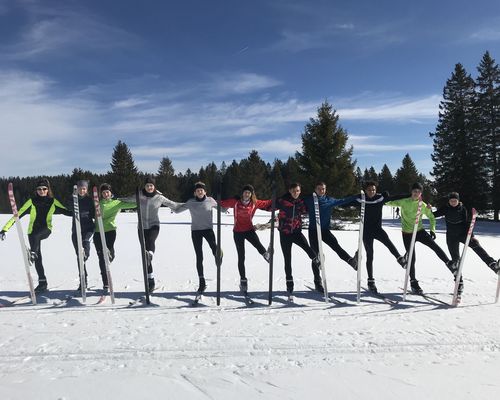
[151, 200]
[409, 207]
[244, 209]
[291, 208]
[109, 209]
[457, 226]
[41, 206]
[326, 204]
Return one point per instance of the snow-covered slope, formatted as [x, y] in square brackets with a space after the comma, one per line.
[414, 350]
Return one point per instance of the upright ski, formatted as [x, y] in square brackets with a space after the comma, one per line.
[105, 250]
[218, 254]
[78, 229]
[24, 248]
[412, 246]
[144, 258]
[320, 245]
[270, 249]
[497, 295]
[360, 245]
[456, 299]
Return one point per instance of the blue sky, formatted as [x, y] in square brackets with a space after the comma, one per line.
[201, 81]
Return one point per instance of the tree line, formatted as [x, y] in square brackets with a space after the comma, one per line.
[466, 156]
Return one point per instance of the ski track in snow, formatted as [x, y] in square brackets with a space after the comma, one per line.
[77, 351]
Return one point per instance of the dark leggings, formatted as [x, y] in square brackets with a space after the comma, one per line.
[286, 247]
[150, 236]
[110, 242]
[328, 238]
[35, 238]
[453, 242]
[197, 238]
[381, 236]
[86, 236]
[239, 240]
[424, 238]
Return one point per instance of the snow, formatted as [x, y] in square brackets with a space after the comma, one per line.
[65, 350]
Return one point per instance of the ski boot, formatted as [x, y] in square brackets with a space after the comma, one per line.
[415, 287]
[202, 287]
[105, 290]
[42, 286]
[453, 267]
[371, 286]
[244, 286]
[353, 261]
[289, 286]
[151, 284]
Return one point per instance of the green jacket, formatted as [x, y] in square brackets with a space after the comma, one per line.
[40, 211]
[409, 212]
[109, 210]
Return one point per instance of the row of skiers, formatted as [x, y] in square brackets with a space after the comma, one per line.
[291, 207]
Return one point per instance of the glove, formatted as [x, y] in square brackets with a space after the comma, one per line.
[2, 235]
[433, 235]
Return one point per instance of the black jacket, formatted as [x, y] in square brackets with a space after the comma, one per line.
[457, 221]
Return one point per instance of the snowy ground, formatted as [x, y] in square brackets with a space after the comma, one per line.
[413, 350]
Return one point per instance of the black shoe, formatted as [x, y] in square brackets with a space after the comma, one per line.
[371, 286]
[244, 285]
[151, 284]
[105, 289]
[289, 286]
[402, 260]
[353, 261]
[42, 287]
[318, 286]
[415, 287]
[80, 287]
[202, 286]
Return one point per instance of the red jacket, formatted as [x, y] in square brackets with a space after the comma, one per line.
[243, 213]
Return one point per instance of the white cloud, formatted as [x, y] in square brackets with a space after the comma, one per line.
[486, 35]
[241, 83]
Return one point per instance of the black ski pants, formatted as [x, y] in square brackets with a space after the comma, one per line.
[328, 238]
[197, 238]
[286, 247]
[35, 238]
[453, 242]
[368, 238]
[424, 238]
[86, 237]
[239, 241]
[110, 237]
[150, 236]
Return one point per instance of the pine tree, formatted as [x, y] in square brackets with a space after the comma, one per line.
[324, 154]
[487, 113]
[277, 176]
[124, 176]
[370, 175]
[458, 158]
[166, 181]
[385, 180]
[256, 172]
[406, 175]
[186, 184]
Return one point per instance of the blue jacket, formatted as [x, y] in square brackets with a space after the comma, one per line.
[326, 203]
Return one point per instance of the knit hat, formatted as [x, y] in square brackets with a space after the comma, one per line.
[453, 195]
[249, 188]
[43, 183]
[417, 185]
[150, 179]
[104, 186]
[200, 185]
[82, 183]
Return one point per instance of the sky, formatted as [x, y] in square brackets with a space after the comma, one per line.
[200, 81]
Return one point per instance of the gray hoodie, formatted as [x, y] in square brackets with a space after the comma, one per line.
[150, 207]
[201, 212]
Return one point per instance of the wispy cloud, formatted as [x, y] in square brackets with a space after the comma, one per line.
[241, 83]
[486, 35]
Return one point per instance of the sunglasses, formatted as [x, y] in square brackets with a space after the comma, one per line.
[42, 188]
